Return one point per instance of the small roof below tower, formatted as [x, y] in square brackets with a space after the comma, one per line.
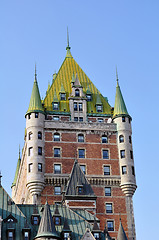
[121, 232]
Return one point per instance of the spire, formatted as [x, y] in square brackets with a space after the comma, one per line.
[68, 46]
[47, 228]
[0, 179]
[121, 232]
[35, 104]
[17, 170]
[106, 234]
[119, 107]
[117, 76]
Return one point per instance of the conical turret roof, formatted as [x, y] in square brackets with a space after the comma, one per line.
[119, 107]
[17, 170]
[121, 233]
[47, 227]
[35, 104]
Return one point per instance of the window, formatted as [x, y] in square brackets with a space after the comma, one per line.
[105, 154]
[63, 96]
[106, 170]
[89, 97]
[57, 220]
[39, 150]
[80, 190]
[80, 138]
[100, 120]
[55, 106]
[56, 152]
[57, 168]
[83, 167]
[123, 119]
[56, 137]
[129, 120]
[30, 151]
[29, 115]
[131, 154]
[80, 107]
[122, 153]
[124, 170]
[30, 136]
[55, 118]
[133, 171]
[75, 106]
[96, 236]
[10, 235]
[99, 108]
[121, 138]
[81, 119]
[76, 119]
[130, 139]
[30, 167]
[109, 208]
[57, 190]
[26, 235]
[81, 153]
[110, 225]
[36, 115]
[39, 167]
[35, 220]
[39, 135]
[107, 191]
[104, 139]
[66, 235]
[77, 93]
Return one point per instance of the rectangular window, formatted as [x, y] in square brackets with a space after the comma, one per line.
[81, 153]
[63, 96]
[109, 208]
[99, 108]
[75, 106]
[133, 171]
[83, 167]
[122, 153]
[96, 236]
[80, 107]
[81, 119]
[55, 118]
[89, 97]
[35, 220]
[107, 191]
[10, 235]
[105, 154]
[57, 220]
[26, 235]
[39, 150]
[123, 119]
[57, 190]
[39, 167]
[66, 235]
[124, 170]
[29, 115]
[130, 139]
[131, 154]
[104, 139]
[80, 138]
[106, 170]
[76, 119]
[57, 168]
[30, 167]
[36, 115]
[110, 225]
[55, 106]
[56, 152]
[30, 151]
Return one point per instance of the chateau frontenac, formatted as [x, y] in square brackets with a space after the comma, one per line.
[75, 178]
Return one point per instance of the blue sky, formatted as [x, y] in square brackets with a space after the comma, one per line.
[103, 34]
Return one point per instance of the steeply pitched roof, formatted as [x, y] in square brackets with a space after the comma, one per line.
[35, 104]
[78, 178]
[88, 235]
[65, 77]
[119, 107]
[95, 226]
[47, 227]
[17, 170]
[121, 233]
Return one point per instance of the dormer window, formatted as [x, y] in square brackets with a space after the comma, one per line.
[63, 96]
[35, 220]
[11, 234]
[77, 93]
[55, 106]
[26, 234]
[89, 97]
[66, 236]
[57, 220]
[96, 236]
[80, 190]
[99, 108]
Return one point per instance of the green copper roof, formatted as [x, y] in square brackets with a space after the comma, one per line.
[35, 100]
[98, 100]
[120, 107]
[62, 89]
[17, 170]
[55, 99]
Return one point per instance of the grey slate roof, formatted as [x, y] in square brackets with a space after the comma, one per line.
[121, 233]
[78, 178]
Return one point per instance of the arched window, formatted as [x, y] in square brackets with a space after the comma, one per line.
[121, 138]
[39, 135]
[30, 136]
[56, 137]
[77, 94]
[104, 139]
[80, 138]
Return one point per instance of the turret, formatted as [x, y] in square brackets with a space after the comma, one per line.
[35, 143]
[126, 159]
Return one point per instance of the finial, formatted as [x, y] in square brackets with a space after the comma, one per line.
[19, 151]
[68, 45]
[0, 178]
[117, 79]
[35, 74]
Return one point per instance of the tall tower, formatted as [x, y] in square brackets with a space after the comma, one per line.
[35, 143]
[126, 160]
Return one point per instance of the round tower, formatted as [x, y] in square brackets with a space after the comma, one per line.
[35, 144]
[126, 159]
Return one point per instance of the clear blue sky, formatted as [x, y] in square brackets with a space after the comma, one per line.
[103, 34]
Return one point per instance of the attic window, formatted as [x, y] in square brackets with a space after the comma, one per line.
[66, 236]
[99, 108]
[63, 96]
[79, 190]
[55, 106]
[89, 97]
[35, 220]
[77, 94]
[57, 220]
[96, 236]
[10, 234]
